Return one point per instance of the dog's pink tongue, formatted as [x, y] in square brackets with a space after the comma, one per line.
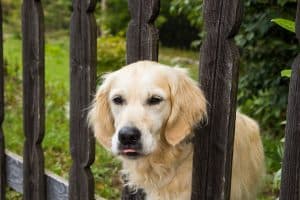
[129, 151]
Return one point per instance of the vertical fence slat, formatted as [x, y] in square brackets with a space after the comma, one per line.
[218, 76]
[83, 45]
[142, 44]
[2, 155]
[142, 35]
[33, 99]
[290, 181]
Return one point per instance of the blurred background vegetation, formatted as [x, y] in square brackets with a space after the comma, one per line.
[266, 50]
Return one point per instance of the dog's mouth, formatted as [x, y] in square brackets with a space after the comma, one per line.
[131, 153]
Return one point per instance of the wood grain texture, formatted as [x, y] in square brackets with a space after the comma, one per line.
[142, 36]
[2, 155]
[33, 99]
[290, 180]
[218, 76]
[57, 188]
[142, 44]
[83, 46]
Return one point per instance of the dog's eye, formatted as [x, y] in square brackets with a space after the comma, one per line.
[118, 100]
[154, 100]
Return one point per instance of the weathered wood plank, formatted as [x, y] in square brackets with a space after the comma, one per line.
[142, 44]
[218, 76]
[2, 155]
[14, 168]
[83, 46]
[33, 99]
[142, 36]
[57, 188]
[290, 181]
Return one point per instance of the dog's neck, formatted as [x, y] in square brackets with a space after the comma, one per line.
[158, 170]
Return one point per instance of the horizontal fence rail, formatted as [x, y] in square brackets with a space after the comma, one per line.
[290, 181]
[57, 188]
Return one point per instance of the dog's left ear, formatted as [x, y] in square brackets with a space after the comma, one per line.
[188, 107]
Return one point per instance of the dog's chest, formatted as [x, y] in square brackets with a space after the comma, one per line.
[185, 195]
[161, 182]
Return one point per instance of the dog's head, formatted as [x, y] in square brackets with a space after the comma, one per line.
[143, 104]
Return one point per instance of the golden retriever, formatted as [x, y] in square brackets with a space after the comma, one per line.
[143, 114]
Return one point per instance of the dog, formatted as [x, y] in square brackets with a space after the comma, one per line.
[144, 113]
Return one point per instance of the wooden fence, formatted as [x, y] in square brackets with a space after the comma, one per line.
[218, 75]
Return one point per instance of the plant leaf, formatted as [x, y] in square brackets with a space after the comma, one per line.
[285, 23]
[286, 73]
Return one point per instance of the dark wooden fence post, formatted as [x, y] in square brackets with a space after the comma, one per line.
[142, 36]
[2, 155]
[33, 99]
[290, 181]
[83, 45]
[219, 77]
[142, 44]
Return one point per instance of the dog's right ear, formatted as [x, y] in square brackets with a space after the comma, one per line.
[188, 107]
[100, 117]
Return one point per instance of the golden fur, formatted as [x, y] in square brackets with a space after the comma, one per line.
[165, 171]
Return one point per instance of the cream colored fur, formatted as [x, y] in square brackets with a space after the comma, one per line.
[165, 171]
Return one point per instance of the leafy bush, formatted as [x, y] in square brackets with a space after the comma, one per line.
[110, 53]
[115, 19]
[116, 16]
[265, 51]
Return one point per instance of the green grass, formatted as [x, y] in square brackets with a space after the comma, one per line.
[56, 140]
[181, 58]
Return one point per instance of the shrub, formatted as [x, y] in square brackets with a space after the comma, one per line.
[110, 53]
[265, 51]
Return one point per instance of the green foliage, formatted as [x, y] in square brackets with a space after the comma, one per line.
[285, 23]
[290, 26]
[115, 16]
[57, 14]
[266, 50]
[12, 195]
[183, 34]
[286, 73]
[56, 140]
[110, 53]
[192, 9]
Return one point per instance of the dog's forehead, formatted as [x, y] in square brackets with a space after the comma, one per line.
[141, 78]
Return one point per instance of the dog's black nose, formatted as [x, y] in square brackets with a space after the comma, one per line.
[129, 135]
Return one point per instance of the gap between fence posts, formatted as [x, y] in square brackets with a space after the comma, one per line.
[290, 181]
[2, 146]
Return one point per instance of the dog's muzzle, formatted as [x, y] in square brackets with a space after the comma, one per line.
[130, 142]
